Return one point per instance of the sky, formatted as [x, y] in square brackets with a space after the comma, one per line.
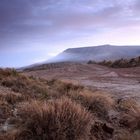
[32, 31]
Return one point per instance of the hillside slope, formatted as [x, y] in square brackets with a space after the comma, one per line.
[97, 53]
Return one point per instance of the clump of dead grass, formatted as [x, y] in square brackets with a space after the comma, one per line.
[23, 84]
[129, 119]
[58, 89]
[95, 102]
[12, 97]
[5, 111]
[36, 87]
[127, 104]
[58, 119]
[8, 72]
[124, 134]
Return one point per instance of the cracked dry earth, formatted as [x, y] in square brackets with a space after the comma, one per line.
[121, 82]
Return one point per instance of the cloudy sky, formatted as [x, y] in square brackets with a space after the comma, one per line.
[35, 30]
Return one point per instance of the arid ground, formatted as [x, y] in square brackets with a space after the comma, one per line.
[70, 101]
[121, 82]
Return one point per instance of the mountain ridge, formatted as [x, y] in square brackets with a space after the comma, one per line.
[97, 53]
[93, 53]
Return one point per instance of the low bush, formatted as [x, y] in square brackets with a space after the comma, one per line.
[60, 119]
[120, 63]
[5, 111]
[12, 97]
[25, 85]
[127, 104]
[97, 103]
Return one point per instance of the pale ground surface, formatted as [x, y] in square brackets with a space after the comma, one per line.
[121, 82]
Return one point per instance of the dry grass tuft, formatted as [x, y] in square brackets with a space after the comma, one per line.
[12, 97]
[36, 87]
[9, 136]
[58, 89]
[59, 119]
[97, 103]
[131, 120]
[127, 104]
[126, 135]
[7, 72]
[5, 111]
[122, 135]
[20, 83]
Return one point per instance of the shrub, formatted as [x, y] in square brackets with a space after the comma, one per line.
[127, 104]
[130, 117]
[57, 89]
[8, 72]
[5, 111]
[12, 97]
[63, 87]
[59, 119]
[91, 62]
[122, 135]
[25, 85]
[126, 135]
[36, 87]
[97, 103]
[120, 63]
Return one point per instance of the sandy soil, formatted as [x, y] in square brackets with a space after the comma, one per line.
[121, 82]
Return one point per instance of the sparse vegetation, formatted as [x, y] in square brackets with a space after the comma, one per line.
[98, 103]
[37, 109]
[61, 119]
[22, 84]
[5, 111]
[12, 97]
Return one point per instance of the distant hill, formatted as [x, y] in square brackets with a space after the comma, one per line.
[97, 53]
